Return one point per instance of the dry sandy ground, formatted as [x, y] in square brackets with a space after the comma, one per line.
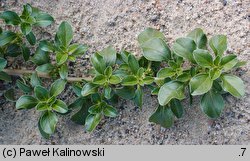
[100, 23]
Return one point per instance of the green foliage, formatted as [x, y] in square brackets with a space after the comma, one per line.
[189, 68]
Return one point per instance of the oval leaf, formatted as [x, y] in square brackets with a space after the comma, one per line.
[184, 47]
[218, 44]
[65, 33]
[200, 84]
[48, 122]
[92, 121]
[163, 116]
[199, 38]
[57, 87]
[129, 81]
[170, 90]
[233, 84]
[88, 89]
[60, 107]
[203, 58]
[212, 104]
[26, 102]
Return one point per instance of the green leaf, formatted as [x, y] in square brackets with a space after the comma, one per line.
[129, 81]
[26, 28]
[107, 92]
[149, 33]
[176, 108]
[233, 84]
[170, 90]
[31, 38]
[41, 106]
[92, 121]
[138, 97]
[148, 80]
[108, 72]
[212, 104]
[80, 116]
[48, 122]
[100, 79]
[65, 33]
[46, 46]
[114, 79]
[27, 10]
[152, 43]
[155, 50]
[240, 63]
[214, 73]
[7, 37]
[26, 102]
[228, 62]
[60, 107]
[217, 60]
[41, 93]
[40, 57]
[10, 95]
[184, 47]
[35, 80]
[110, 111]
[13, 50]
[140, 72]
[98, 63]
[183, 77]
[45, 68]
[109, 55]
[61, 58]
[127, 92]
[63, 71]
[57, 87]
[203, 58]
[24, 87]
[10, 18]
[44, 134]
[5, 77]
[199, 38]
[88, 89]
[163, 116]
[95, 109]
[77, 103]
[26, 52]
[133, 63]
[78, 49]
[218, 44]
[43, 20]
[200, 84]
[165, 72]
[3, 63]
[77, 89]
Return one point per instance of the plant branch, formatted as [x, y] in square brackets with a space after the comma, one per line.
[20, 72]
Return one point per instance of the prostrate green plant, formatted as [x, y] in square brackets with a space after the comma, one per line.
[12, 42]
[62, 47]
[188, 68]
[207, 75]
[45, 101]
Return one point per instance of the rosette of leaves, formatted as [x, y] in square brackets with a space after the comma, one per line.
[116, 75]
[12, 42]
[45, 101]
[64, 51]
[208, 75]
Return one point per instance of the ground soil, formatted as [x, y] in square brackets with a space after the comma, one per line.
[100, 23]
